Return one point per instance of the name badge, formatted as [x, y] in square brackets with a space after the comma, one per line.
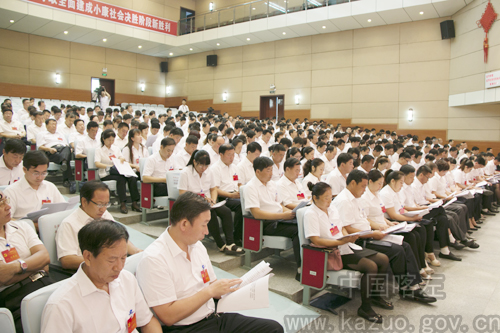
[46, 201]
[136, 161]
[235, 177]
[334, 230]
[131, 322]
[59, 138]
[10, 254]
[204, 274]
[384, 210]
[112, 156]
[401, 211]
[14, 128]
[201, 195]
[300, 196]
[171, 168]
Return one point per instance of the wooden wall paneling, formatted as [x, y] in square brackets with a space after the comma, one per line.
[200, 105]
[293, 114]
[20, 90]
[174, 102]
[233, 109]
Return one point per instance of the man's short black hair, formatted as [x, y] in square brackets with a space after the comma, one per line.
[424, 169]
[344, 158]
[177, 131]
[34, 158]
[262, 162]
[100, 234]
[15, 146]
[88, 189]
[192, 139]
[188, 206]
[254, 146]
[277, 148]
[92, 124]
[357, 176]
[225, 147]
[167, 142]
[291, 163]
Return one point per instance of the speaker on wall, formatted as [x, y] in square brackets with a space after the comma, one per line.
[212, 60]
[164, 67]
[447, 29]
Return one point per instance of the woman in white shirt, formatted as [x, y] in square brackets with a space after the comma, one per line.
[144, 128]
[135, 150]
[307, 155]
[196, 178]
[107, 171]
[313, 170]
[392, 205]
[289, 188]
[460, 177]
[381, 164]
[323, 227]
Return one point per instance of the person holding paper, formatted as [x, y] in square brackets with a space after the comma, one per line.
[32, 190]
[289, 187]
[94, 201]
[488, 195]
[101, 296]
[401, 257]
[157, 166]
[134, 150]
[392, 206]
[226, 180]
[197, 178]
[313, 170]
[178, 280]
[107, 171]
[24, 263]
[323, 227]
[460, 177]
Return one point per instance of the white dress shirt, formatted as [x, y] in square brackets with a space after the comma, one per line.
[166, 275]
[329, 165]
[157, 167]
[142, 152]
[25, 199]
[225, 177]
[391, 199]
[318, 223]
[438, 184]
[83, 146]
[191, 181]
[419, 192]
[50, 140]
[373, 207]
[79, 306]
[8, 176]
[278, 171]
[67, 233]
[307, 179]
[396, 166]
[290, 192]
[337, 181]
[119, 142]
[104, 155]
[33, 131]
[265, 197]
[183, 108]
[350, 211]
[181, 159]
[66, 131]
[245, 171]
[12, 128]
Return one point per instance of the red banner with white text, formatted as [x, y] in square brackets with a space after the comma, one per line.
[112, 13]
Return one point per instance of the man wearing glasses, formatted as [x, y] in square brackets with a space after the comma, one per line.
[32, 190]
[94, 201]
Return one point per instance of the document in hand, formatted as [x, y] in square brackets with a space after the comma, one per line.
[450, 202]
[219, 204]
[252, 296]
[395, 239]
[435, 204]
[462, 194]
[300, 205]
[395, 228]
[483, 183]
[450, 196]
[49, 208]
[123, 168]
[421, 212]
[359, 233]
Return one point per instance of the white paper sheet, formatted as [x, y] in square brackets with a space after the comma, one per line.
[395, 228]
[260, 270]
[123, 168]
[359, 233]
[462, 194]
[300, 205]
[421, 212]
[219, 204]
[483, 183]
[396, 239]
[435, 204]
[450, 202]
[252, 296]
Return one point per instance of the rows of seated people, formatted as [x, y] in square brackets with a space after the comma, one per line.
[358, 182]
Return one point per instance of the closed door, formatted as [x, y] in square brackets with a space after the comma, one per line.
[269, 104]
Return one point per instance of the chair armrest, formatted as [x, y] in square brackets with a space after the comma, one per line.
[314, 248]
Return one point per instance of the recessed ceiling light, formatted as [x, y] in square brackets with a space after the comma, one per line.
[218, 44]
[324, 27]
[248, 38]
[140, 46]
[421, 13]
[190, 49]
[284, 33]
[171, 54]
[104, 40]
[11, 21]
[253, 8]
[369, 20]
[65, 32]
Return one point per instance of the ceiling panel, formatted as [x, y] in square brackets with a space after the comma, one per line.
[53, 29]
[428, 11]
[28, 24]
[369, 20]
[7, 15]
[93, 36]
[394, 16]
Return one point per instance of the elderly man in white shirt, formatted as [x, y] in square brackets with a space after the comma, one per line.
[11, 169]
[101, 296]
[91, 141]
[289, 188]
[264, 142]
[68, 127]
[32, 191]
[264, 202]
[10, 128]
[94, 201]
[37, 127]
[337, 178]
[157, 166]
[245, 167]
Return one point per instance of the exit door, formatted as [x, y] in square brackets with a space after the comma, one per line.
[270, 105]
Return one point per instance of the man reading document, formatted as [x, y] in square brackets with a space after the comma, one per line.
[179, 283]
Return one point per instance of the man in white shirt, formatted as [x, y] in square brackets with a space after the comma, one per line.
[226, 179]
[337, 178]
[24, 112]
[37, 127]
[41, 105]
[367, 163]
[404, 158]
[182, 158]
[289, 187]
[32, 191]
[10, 128]
[277, 155]
[178, 281]
[245, 167]
[329, 158]
[79, 133]
[68, 127]
[101, 296]
[11, 169]
[183, 107]
[264, 142]
[121, 139]
[94, 201]
[89, 142]
[264, 202]
[56, 147]
[157, 166]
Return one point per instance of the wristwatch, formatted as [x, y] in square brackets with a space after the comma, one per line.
[24, 265]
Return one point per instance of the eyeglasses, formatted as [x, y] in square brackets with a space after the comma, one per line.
[100, 206]
[38, 174]
[4, 201]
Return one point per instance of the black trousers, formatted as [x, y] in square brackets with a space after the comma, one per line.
[459, 230]
[417, 240]
[121, 185]
[63, 154]
[229, 322]
[160, 190]
[273, 228]
[402, 260]
[227, 225]
[235, 206]
[442, 225]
